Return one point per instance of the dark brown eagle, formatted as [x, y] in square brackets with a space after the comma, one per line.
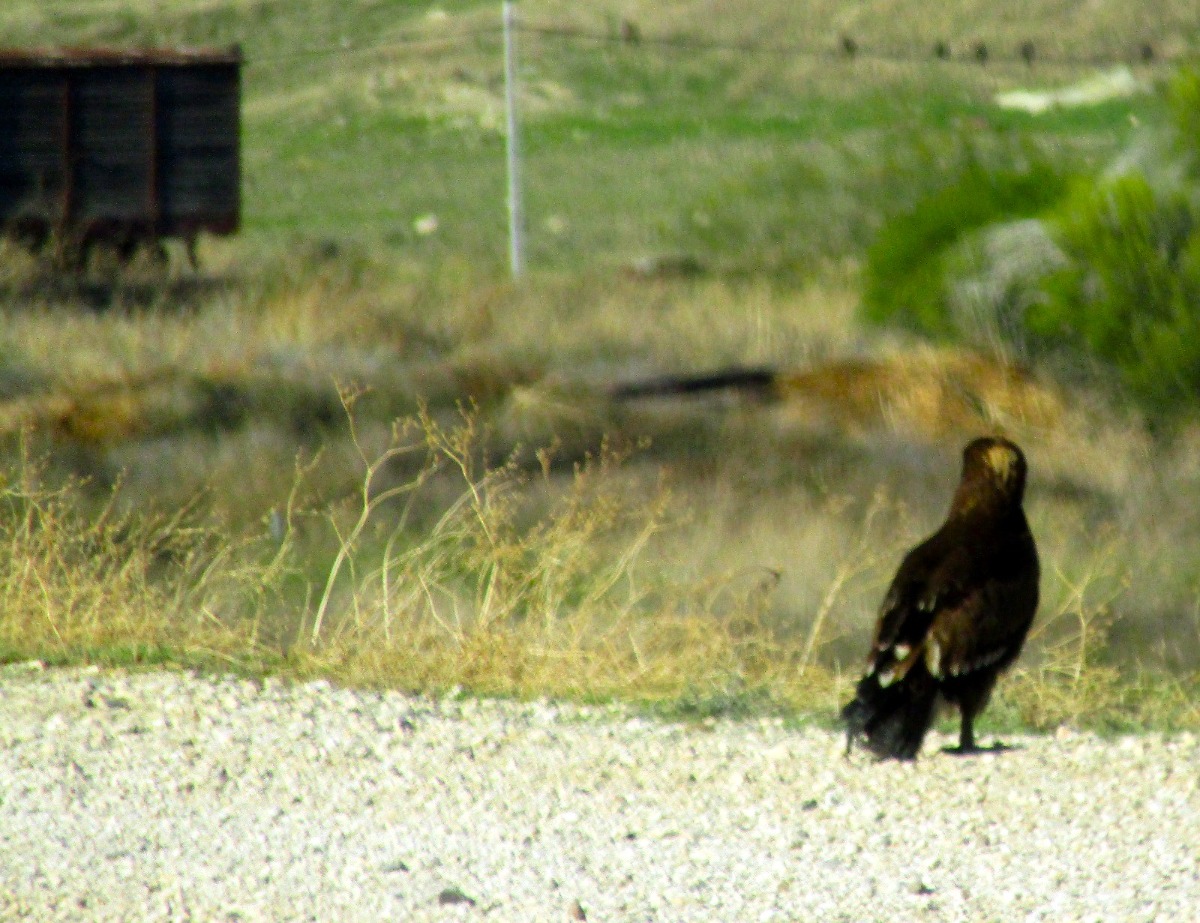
[956, 613]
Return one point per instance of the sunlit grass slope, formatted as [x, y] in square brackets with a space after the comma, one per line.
[363, 118]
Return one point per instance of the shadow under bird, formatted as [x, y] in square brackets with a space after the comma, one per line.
[956, 613]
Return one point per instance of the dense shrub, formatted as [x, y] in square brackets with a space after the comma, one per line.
[1110, 270]
[1130, 294]
[906, 270]
[1183, 101]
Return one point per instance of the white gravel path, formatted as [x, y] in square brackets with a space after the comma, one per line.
[163, 796]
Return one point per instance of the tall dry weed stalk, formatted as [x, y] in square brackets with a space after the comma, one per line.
[1071, 679]
[489, 572]
[865, 556]
[524, 582]
[524, 585]
[369, 502]
[102, 585]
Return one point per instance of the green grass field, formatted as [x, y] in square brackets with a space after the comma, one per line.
[362, 118]
[216, 455]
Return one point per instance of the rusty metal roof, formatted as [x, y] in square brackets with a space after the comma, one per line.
[108, 56]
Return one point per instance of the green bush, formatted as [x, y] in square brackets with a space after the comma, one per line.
[1131, 293]
[907, 264]
[1123, 286]
[1183, 101]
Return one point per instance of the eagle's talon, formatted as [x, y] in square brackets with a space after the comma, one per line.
[976, 750]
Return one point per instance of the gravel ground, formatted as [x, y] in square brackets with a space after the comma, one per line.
[164, 796]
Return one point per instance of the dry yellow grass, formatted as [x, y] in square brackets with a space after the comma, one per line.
[76, 586]
[932, 394]
[519, 587]
[732, 560]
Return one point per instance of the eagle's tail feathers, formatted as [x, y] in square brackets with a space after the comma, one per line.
[893, 719]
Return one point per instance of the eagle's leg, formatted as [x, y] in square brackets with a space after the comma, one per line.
[966, 733]
[971, 700]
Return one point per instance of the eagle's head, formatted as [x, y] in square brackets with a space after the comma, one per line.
[993, 473]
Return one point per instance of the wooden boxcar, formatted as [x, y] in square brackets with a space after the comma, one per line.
[120, 148]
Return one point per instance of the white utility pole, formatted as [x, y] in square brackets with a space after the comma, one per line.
[515, 242]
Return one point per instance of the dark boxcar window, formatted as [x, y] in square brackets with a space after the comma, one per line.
[197, 134]
[111, 143]
[32, 150]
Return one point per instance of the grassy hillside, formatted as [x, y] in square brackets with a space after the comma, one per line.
[225, 443]
[362, 118]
